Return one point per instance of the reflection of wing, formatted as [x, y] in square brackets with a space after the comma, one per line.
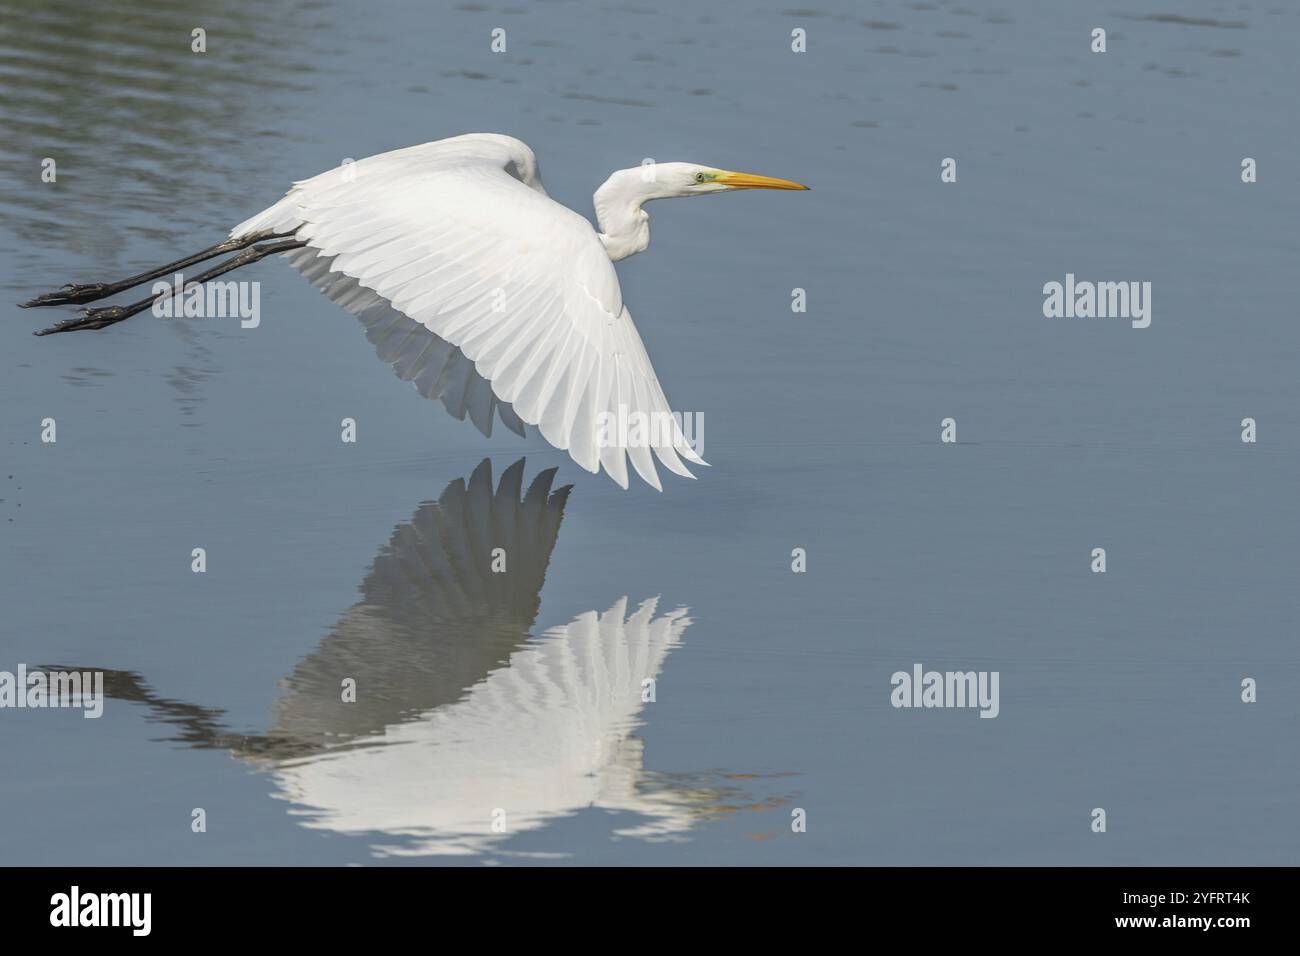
[434, 617]
[545, 736]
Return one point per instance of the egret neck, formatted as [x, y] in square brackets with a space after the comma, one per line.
[624, 225]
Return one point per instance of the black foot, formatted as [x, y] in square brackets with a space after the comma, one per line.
[70, 295]
[93, 319]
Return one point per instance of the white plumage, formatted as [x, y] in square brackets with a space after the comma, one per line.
[493, 298]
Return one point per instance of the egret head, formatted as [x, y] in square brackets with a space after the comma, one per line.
[689, 179]
[624, 224]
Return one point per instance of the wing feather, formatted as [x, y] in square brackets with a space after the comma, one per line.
[485, 293]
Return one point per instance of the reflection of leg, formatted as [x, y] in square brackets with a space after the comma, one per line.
[110, 315]
[77, 294]
[199, 727]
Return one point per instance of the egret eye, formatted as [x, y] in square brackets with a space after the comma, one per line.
[699, 177]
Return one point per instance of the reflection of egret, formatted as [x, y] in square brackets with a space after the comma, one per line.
[458, 711]
[479, 288]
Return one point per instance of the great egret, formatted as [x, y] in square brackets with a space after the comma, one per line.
[479, 288]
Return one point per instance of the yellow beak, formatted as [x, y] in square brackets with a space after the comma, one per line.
[752, 181]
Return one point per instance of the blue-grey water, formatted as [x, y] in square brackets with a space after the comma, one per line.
[1120, 691]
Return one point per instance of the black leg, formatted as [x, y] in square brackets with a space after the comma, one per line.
[110, 315]
[77, 294]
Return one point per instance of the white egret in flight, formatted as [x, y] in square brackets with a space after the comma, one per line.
[478, 287]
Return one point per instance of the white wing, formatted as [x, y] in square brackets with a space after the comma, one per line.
[459, 237]
[433, 365]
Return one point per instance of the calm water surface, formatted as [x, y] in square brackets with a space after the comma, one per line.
[478, 691]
